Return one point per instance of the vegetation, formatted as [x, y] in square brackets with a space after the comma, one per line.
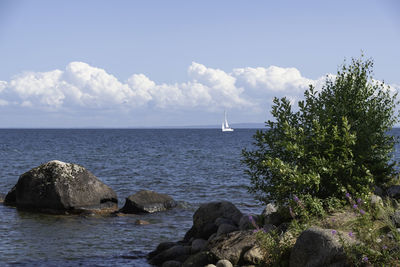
[329, 151]
[335, 143]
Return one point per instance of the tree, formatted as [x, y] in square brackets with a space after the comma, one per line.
[336, 142]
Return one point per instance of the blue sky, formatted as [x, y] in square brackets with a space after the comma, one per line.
[165, 63]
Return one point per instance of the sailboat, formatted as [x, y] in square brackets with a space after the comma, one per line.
[225, 125]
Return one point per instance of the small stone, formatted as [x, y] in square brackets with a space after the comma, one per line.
[141, 222]
[210, 265]
[269, 209]
[224, 263]
[376, 201]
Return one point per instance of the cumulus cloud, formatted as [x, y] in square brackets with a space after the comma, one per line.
[80, 85]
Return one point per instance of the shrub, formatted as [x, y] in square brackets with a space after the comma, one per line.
[336, 141]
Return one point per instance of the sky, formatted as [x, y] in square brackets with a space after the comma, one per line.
[94, 63]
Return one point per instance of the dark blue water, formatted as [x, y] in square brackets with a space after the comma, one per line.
[192, 165]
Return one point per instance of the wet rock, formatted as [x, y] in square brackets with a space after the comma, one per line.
[11, 197]
[160, 248]
[224, 263]
[319, 247]
[205, 216]
[201, 258]
[172, 264]
[394, 191]
[173, 253]
[59, 187]
[146, 201]
[232, 246]
[2, 197]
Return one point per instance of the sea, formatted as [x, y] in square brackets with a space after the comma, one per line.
[193, 166]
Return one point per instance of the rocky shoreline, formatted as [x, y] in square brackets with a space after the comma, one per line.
[221, 234]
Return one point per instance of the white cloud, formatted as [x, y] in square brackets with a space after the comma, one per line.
[86, 87]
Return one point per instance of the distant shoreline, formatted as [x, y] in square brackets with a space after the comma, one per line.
[234, 126]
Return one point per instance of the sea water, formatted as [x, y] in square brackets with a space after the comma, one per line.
[193, 166]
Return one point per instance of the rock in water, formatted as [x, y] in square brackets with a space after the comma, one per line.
[146, 201]
[59, 187]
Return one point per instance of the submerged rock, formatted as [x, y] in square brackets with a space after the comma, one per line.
[59, 187]
[146, 201]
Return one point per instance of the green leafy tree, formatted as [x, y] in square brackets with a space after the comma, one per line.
[336, 142]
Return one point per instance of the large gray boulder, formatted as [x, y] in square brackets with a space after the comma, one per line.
[146, 201]
[59, 187]
[205, 218]
[319, 247]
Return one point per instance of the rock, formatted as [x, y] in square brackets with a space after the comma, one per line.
[269, 227]
[376, 201]
[220, 221]
[58, 187]
[146, 201]
[255, 255]
[205, 216]
[378, 191]
[396, 218]
[141, 222]
[161, 247]
[269, 209]
[319, 247]
[226, 228]
[224, 263]
[11, 197]
[172, 264]
[245, 223]
[274, 218]
[2, 197]
[198, 245]
[210, 265]
[394, 191]
[232, 246]
[214, 235]
[173, 253]
[201, 258]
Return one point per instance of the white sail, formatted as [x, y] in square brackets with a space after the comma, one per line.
[225, 126]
